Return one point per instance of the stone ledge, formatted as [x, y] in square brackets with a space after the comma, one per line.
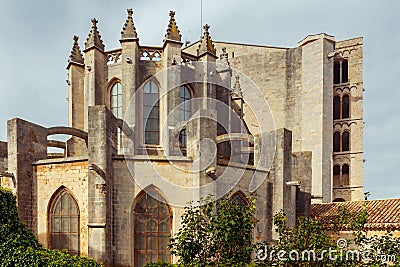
[152, 158]
[60, 160]
[96, 225]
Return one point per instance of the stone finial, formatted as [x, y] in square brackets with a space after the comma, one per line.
[224, 56]
[237, 89]
[206, 44]
[94, 38]
[76, 55]
[173, 32]
[129, 30]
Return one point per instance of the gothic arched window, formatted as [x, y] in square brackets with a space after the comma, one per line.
[346, 175]
[239, 199]
[185, 109]
[336, 176]
[116, 108]
[152, 229]
[346, 107]
[336, 72]
[336, 142]
[346, 141]
[340, 71]
[183, 141]
[151, 113]
[64, 223]
[336, 107]
[116, 100]
[345, 71]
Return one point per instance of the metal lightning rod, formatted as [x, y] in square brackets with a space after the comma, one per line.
[201, 19]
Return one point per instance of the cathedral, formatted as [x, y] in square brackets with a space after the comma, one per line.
[152, 129]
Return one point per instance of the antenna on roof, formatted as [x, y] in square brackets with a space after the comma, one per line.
[187, 42]
[201, 19]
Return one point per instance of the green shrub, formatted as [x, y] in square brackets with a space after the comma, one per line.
[215, 233]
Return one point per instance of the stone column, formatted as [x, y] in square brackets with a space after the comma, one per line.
[283, 196]
[201, 147]
[102, 145]
[317, 112]
[130, 68]
[76, 100]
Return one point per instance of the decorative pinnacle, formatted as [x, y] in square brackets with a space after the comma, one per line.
[76, 55]
[94, 38]
[173, 32]
[206, 44]
[224, 57]
[237, 89]
[129, 30]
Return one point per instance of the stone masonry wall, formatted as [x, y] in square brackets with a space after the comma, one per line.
[3, 156]
[126, 189]
[4, 181]
[352, 50]
[51, 175]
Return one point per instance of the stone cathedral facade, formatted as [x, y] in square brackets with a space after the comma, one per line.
[152, 128]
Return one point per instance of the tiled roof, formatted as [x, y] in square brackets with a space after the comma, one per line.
[382, 214]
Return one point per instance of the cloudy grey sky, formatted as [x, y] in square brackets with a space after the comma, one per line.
[36, 39]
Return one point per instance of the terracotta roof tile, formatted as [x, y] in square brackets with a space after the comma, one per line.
[382, 214]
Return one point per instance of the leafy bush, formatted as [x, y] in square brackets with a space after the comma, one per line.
[215, 233]
[312, 235]
[19, 246]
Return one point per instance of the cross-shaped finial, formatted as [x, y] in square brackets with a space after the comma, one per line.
[206, 27]
[94, 22]
[172, 14]
[76, 38]
[130, 12]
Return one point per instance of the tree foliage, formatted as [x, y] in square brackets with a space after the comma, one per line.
[218, 233]
[296, 247]
[215, 233]
[19, 246]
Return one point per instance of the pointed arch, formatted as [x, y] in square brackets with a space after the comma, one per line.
[116, 100]
[240, 198]
[114, 80]
[151, 112]
[152, 221]
[116, 107]
[64, 221]
[185, 104]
